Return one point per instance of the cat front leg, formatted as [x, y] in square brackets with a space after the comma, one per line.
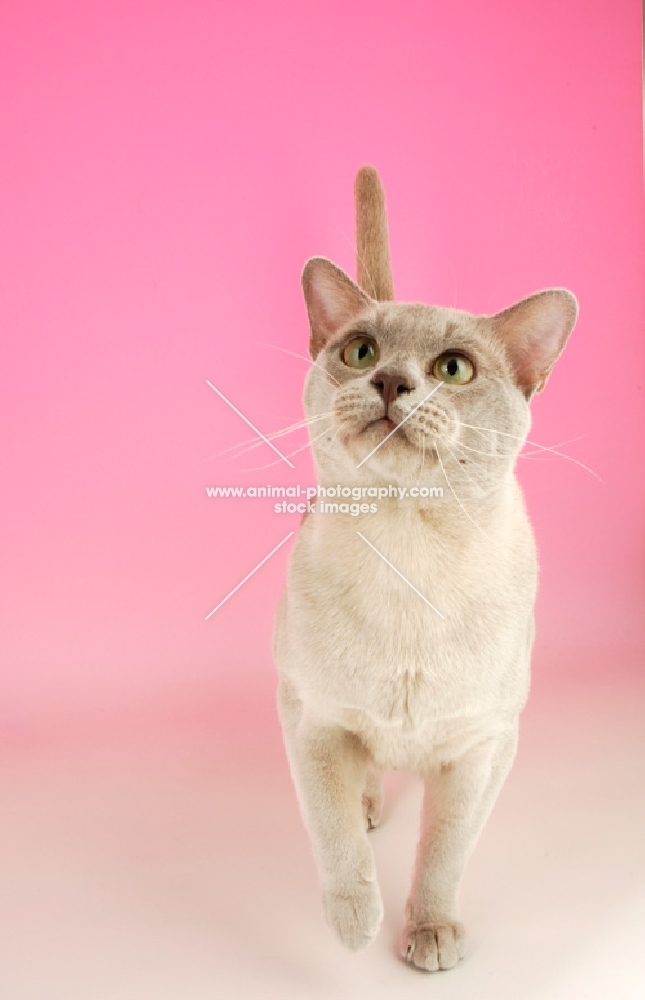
[329, 766]
[457, 801]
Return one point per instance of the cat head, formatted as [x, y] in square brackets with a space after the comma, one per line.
[446, 392]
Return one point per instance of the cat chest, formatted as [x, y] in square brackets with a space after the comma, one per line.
[426, 741]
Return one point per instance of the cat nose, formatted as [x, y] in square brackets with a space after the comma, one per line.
[390, 385]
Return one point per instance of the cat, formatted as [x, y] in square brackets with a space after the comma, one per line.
[403, 638]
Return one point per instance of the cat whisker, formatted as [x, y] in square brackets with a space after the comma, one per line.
[538, 447]
[487, 454]
[257, 468]
[336, 435]
[561, 454]
[488, 430]
[559, 444]
[496, 454]
[423, 458]
[257, 444]
[256, 441]
[464, 457]
[443, 468]
[465, 471]
[496, 430]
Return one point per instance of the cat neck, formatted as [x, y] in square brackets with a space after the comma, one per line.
[405, 516]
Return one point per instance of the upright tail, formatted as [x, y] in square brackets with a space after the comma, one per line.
[373, 270]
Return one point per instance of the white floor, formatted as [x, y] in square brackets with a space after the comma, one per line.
[170, 863]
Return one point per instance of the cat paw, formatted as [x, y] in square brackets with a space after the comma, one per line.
[355, 912]
[432, 946]
[373, 800]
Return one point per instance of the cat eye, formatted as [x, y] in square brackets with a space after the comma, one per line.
[361, 352]
[455, 369]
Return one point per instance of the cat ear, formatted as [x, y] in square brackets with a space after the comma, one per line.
[534, 332]
[333, 300]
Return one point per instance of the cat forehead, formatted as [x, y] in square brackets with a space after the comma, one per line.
[417, 320]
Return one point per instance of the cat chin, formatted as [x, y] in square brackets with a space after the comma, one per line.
[404, 442]
[377, 430]
[359, 444]
[397, 461]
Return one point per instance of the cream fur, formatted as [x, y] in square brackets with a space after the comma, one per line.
[370, 677]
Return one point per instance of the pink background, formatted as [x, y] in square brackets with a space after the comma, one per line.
[166, 170]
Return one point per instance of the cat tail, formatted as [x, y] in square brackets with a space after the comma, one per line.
[373, 270]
